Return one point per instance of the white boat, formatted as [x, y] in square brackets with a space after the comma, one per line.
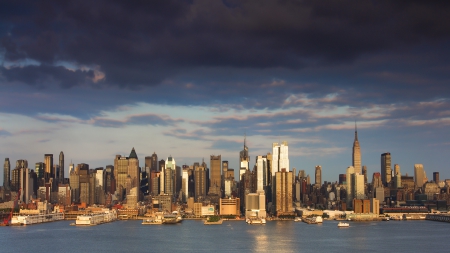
[343, 225]
[319, 219]
[298, 219]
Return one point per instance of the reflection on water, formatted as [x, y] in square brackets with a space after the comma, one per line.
[193, 236]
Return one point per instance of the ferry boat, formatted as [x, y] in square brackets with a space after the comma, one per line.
[256, 221]
[343, 225]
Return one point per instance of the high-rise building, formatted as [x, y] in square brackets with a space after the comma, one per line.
[283, 192]
[436, 177]
[418, 175]
[364, 172]
[280, 157]
[215, 180]
[120, 174]
[349, 185]
[244, 160]
[261, 173]
[386, 170]
[318, 175]
[185, 184]
[6, 174]
[397, 176]
[48, 169]
[170, 176]
[200, 182]
[83, 170]
[133, 169]
[162, 181]
[356, 157]
[74, 181]
[110, 185]
[154, 163]
[61, 168]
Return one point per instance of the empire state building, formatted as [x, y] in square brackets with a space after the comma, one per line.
[356, 158]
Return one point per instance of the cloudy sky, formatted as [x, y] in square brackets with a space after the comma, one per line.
[191, 78]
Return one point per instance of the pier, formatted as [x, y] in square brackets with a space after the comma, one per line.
[438, 217]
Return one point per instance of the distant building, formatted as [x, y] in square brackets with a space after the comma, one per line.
[397, 176]
[229, 206]
[200, 182]
[48, 167]
[280, 157]
[436, 177]
[361, 205]
[386, 170]
[6, 174]
[283, 192]
[318, 175]
[61, 168]
[418, 175]
[261, 173]
[244, 160]
[356, 157]
[216, 177]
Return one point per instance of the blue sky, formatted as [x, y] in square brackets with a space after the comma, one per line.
[191, 78]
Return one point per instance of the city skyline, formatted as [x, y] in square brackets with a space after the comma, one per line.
[194, 79]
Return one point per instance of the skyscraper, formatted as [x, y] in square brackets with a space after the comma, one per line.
[283, 196]
[154, 163]
[48, 169]
[200, 182]
[418, 175]
[61, 167]
[244, 160]
[280, 157]
[349, 183]
[261, 173]
[397, 176]
[215, 181]
[436, 177]
[133, 169]
[318, 175]
[6, 174]
[386, 170]
[356, 157]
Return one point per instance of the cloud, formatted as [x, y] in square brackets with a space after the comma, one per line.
[4, 133]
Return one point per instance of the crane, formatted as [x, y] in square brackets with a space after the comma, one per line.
[7, 220]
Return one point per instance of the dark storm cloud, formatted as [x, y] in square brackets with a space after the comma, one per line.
[43, 75]
[146, 42]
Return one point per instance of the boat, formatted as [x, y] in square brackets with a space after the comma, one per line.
[319, 219]
[343, 225]
[386, 219]
[298, 219]
[151, 222]
[256, 221]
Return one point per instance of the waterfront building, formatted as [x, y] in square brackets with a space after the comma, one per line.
[61, 168]
[356, 157]
[215, 180]
[386, 170]
[255, 206]
[361, 205]
[375, 206]
[280, 157]
[318, 175]
[6, 174]
[244, 160]
[418, 175]
[283, 193]
[229, 206]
